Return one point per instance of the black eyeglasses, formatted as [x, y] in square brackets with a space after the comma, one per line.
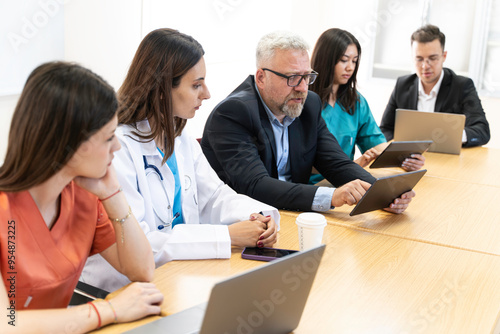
[296, 79]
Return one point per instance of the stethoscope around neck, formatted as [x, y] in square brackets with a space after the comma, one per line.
[157, 172]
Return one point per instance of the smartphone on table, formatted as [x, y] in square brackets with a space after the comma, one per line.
[265, 253]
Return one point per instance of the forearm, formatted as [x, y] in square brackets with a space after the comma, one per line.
[247, 175]
[345, 171]
[78, 319]
[199, 241]
[283, 195]
[331, 161]
[323, 199]
[381, 147]
[477, 131]
[476, 126]
[134, 253]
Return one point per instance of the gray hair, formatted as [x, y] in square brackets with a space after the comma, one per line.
[278, 40]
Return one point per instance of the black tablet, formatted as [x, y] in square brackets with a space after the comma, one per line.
[385, 190]
[398, 151]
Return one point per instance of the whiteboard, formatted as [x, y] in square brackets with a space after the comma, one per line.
[32, 33]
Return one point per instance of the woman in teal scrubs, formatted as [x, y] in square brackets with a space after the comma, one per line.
[347, 115]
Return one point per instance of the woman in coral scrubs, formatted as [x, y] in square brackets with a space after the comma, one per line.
[60, 202]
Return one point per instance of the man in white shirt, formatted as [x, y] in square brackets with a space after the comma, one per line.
[436, 89]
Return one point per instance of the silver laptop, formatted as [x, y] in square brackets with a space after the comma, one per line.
[444, 129]
[268, 299]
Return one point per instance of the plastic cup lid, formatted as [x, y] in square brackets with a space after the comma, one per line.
[311, 219]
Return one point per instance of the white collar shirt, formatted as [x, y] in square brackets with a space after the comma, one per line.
[427, 102]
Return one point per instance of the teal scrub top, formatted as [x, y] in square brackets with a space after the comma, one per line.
[350, 130]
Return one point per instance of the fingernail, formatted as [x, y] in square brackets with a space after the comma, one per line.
[252, 217]
[261, 237]
[268, 216]
[260, 244]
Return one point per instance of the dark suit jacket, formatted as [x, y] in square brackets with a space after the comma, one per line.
[457, 95]
[239, 143]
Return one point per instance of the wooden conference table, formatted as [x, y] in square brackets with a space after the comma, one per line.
[455, 206]
[473, 165]
[433, 269]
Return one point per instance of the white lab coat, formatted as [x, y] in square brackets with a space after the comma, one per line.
[208, 205]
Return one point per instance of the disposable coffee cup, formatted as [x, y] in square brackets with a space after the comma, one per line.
[311, 226]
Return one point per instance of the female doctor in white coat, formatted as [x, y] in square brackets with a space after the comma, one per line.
[185, 210]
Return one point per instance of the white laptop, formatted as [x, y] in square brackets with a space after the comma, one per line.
[445, 130]
[268, 299]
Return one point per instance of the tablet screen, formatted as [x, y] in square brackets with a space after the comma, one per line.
[384, 190]
[398, 151]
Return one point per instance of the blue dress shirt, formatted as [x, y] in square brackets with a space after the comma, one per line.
[323, 197]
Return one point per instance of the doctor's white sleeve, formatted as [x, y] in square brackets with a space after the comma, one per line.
[184, 241]
[219, 203]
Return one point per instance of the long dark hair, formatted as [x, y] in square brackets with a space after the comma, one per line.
[60, 107]
[329, 49]
[161, 60]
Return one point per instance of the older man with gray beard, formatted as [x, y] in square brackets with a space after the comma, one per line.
[266, 136]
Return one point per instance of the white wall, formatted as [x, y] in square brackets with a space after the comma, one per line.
[104, 34]
[7, 105]
[31, 33]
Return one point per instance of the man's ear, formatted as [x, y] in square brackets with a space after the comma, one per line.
[260, 78]
[445, 53]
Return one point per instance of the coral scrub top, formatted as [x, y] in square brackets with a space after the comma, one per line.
[40, 267]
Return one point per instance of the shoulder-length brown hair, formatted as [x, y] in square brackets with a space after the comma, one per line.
[161, 60]
[329, 49]
[60, 107]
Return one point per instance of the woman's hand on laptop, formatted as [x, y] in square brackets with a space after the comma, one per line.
[416, 162]
[401, 203]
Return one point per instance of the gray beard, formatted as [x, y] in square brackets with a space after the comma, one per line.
[291, 112]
